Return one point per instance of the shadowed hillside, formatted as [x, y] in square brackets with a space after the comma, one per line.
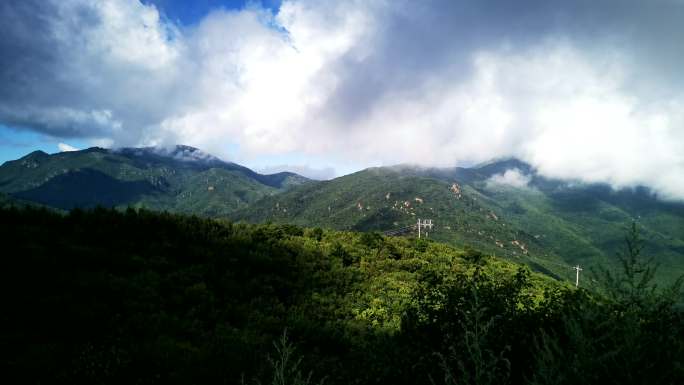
[113, 297]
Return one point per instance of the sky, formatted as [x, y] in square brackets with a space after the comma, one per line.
[584, 90]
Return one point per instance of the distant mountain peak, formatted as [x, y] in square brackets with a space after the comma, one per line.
[507, 161]
[31, 160]
[36, 154]
[189, 154]
[178, 152]
[499, 166]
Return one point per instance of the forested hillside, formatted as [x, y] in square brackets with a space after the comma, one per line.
[111, 297]
[180, 179]
[548, 224]
[383, 199]
[504, 208]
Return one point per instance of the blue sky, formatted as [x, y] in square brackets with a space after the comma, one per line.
[191, 12]
[582, 90]
[15, 143]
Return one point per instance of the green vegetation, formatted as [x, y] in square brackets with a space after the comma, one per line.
[182, 179]
[110, 297]
[548, 225]
[586, 224]
[385, 198]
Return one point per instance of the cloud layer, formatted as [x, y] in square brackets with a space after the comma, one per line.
[580, 90]
[63, 147]
[511, 177]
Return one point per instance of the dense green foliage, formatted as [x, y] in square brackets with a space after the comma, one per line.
[546, 224]
[549, 225]
[106, 296]
[384, 198]
[180, 179]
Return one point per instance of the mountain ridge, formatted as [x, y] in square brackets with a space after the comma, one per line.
[504, 207]
[545, 219]
[182, 179]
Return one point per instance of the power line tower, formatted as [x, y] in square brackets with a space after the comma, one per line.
[425, 223]
[577, 269]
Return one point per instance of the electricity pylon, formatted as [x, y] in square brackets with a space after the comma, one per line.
[427, 223]
[577, 269]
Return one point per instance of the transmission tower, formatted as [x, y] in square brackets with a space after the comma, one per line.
[577, 270]
[425, 223]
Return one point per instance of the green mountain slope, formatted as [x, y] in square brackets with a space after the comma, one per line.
[551, 225]
[133, 296]
[584, 223]
[181, 179]
[120, 297]
[387, 198]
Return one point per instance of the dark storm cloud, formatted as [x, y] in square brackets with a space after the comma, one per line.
[33, 68]
[420, 39]
[59, 79]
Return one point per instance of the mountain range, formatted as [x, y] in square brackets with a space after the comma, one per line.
[181, 179]
[503, 207]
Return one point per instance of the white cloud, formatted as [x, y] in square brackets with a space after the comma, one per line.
[378, 82]
[511, 177]
[63, 147]
[577, 121]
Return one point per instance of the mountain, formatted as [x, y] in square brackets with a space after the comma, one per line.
[119, 296]
[180, 179]
[503, 207]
